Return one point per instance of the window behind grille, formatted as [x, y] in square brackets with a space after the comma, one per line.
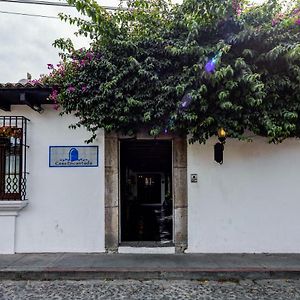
[13, 158]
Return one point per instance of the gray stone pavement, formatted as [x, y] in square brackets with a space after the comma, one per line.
[152, 289]
[149, 266]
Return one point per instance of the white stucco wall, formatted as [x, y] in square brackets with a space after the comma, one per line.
[251, 203]
[66, 205]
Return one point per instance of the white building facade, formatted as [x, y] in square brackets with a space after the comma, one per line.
[64, 209]
[249, 204]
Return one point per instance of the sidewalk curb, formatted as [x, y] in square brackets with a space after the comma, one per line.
[81, 266]
[103, 274]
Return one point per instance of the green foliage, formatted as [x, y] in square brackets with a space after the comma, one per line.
[142, 62]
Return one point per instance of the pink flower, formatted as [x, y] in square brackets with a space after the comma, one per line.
[297, 22]
[89, 55]
[34, 81]
[237, 7]
[61, 72]
[278, 18]
[296, 11]
[275, 22]
[53, 96]
[82, 62]
[50, 66]
[71, 89]
[84, 88]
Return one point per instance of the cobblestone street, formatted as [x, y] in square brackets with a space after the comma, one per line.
[154, 289]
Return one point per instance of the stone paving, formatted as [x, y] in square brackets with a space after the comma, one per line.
[152, 289]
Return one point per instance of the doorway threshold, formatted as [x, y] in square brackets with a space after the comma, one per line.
[146, 247]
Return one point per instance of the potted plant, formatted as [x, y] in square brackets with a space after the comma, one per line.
[7, 132]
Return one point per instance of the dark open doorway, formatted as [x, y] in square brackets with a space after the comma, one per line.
[146, 191]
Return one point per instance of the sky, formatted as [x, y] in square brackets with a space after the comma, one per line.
[26, 42]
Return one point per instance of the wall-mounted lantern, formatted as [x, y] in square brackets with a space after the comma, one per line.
[219, 147]
[222, 135]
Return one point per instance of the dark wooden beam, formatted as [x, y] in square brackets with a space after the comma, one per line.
[5, 106]
[26, 99]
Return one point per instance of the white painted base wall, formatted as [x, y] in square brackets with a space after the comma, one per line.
[66, 205]
[9, 211]
[7, 234]
[250, 204]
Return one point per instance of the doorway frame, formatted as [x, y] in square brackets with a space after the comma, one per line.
[112, 189]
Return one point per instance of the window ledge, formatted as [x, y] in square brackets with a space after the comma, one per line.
[11, 207]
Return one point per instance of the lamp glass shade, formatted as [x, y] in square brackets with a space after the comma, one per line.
[221, 133]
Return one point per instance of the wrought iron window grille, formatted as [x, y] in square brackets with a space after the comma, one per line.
[13, 164]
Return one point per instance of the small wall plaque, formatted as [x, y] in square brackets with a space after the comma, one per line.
[73, 156]
[194, 178]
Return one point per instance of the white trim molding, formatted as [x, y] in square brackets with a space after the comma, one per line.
[11, 207]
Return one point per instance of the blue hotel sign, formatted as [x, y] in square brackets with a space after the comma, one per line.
[73, 156]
